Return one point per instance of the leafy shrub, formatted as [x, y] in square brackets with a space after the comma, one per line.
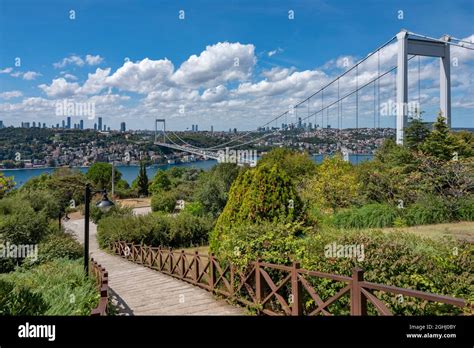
[164, 201]
[155, 229]
[117, 210]
[61, 284]
[369, 216]
[58, 246]
[25, 226]
[399, 259]
[466, 209]
[20, 300]
[430, 210]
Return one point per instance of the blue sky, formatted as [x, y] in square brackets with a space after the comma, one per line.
[281, 60]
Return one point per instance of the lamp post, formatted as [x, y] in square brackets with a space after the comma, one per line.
[104, 204]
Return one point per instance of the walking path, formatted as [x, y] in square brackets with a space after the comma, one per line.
[137, 290]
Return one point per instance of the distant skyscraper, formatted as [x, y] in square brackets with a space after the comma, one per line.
[108, 129]
[99, 126]
[212, 129]
[192, 127]
[44, 125]
[57, 125]
[68, 125]
[95, 126]
[1, 125]
[34, 124]
[196, 128]
[81, 124]
[299, 123]
[63, 124]
[122, 126]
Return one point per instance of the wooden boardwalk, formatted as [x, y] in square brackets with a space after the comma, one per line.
[137, 290]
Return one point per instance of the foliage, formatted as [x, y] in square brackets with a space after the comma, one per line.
[399, 259]
[164, 201]
[296, 164]
[160, 182]
[142, 181]
[273, 242]
[61, 284]
[334, 185]
[213, 187]
[155, 229]
[57, 246]
[416, 133]
[258, 195]
[117, 210]
[24, 226]
[6, 184]
[373, 215]
[100, 174]
[20, 300]
[440, 143]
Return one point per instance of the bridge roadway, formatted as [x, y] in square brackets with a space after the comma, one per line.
[137, 290]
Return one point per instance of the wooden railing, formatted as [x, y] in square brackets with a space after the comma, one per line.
[102, 281]
[277, 289]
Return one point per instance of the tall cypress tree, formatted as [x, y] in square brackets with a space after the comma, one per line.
[142, 180]
[440, 143]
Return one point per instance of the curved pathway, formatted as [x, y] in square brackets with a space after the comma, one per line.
[137, 290]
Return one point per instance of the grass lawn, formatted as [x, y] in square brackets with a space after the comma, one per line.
[460, 230]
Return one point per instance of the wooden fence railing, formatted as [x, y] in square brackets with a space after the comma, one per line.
[277, 289]
[102, 281]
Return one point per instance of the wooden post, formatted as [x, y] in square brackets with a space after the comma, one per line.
[232, 277]
[170, 251]
[212, 272]
[296, 291]
[358, 300]
[183, 263]
[258, 283]
[160, 259]
[196, 267]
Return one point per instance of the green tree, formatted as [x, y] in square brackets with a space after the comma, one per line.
[257, 195]
[416, 133]
[161, 182]
[142, 181]
[335, 184]
[6, 184]
[440, 143]
[296, 164]
[100, 174]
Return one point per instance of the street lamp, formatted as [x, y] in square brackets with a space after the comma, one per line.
[104, 204]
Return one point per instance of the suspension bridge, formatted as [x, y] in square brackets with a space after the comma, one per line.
[369, 82]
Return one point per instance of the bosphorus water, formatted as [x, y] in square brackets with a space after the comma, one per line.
[129, 173]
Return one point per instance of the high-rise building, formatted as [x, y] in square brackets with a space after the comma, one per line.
[192, 127]
[44, 124]
[95, 126]
[196, 126]
[63, 124]
[1, 125]
[68, 123]
[122, 126]
[81, 124]
[34, 124]
[299, 123]
[99, 125]
[212, 129]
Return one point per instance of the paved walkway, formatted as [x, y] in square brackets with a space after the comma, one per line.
[137, 290]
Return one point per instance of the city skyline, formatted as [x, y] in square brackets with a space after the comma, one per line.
[240, 76]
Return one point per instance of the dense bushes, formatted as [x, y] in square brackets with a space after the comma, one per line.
[58, 246]
[164, 201]
[53, 288]
[427, 210]
[117, 210]
[398, 259]
[182, 230]
[20, 300]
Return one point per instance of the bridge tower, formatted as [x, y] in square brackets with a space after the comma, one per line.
[428, 48]
[160, 120]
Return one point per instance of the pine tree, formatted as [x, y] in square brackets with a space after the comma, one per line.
[142, 180]
[416, 133]
[440, 143]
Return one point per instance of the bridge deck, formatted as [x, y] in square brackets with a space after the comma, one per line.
[137, 290]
